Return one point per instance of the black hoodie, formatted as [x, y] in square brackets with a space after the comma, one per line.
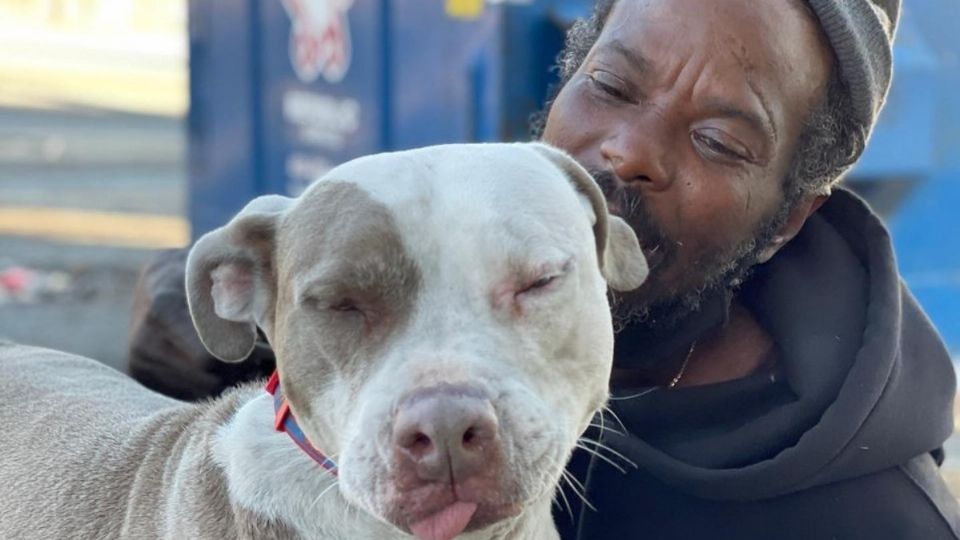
[841, 439]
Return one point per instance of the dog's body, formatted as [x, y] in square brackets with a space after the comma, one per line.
[441, 330]
[87, 453]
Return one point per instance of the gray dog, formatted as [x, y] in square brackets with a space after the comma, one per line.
[443, 339]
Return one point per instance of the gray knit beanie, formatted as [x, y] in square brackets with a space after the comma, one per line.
[861, 34]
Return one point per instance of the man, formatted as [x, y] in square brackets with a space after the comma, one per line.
[803, 402]
[774, 378]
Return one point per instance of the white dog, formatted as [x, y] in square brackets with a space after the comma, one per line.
[442, 335]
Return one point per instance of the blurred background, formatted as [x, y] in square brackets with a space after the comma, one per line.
[128, 126]
[93, 103]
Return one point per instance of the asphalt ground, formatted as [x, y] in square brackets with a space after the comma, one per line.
[87, 195]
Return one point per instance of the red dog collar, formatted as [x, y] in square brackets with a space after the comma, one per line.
[284, 420]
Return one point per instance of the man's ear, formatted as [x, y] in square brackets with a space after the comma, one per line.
[230, 279]
[795, 220]
[618, 250]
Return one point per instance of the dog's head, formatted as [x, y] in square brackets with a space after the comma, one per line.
[440, 322]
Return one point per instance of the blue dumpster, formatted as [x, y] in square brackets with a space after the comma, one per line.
[282, 91]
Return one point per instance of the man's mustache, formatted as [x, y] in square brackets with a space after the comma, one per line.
[609, 186]
[630, 205]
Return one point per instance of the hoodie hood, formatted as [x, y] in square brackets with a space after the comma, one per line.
[862, 381]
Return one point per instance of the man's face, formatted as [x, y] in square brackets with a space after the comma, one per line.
[688, 112]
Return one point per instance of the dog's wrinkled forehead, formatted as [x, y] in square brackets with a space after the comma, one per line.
[401, 205]
[339, 228]
[496, 176]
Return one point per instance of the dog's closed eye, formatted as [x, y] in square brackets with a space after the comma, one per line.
[547, 278]
[346, 305]
[328, 303]
[539, 285]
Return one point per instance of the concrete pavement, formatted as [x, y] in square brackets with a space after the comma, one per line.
[95, 211]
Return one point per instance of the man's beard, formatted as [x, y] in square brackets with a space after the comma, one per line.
[657, 306]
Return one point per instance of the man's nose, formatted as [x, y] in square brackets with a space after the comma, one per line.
[638, 155]
[446, 430]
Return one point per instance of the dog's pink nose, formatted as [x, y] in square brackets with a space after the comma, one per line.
[447, 430]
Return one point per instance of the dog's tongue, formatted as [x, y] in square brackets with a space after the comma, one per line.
[445, 524]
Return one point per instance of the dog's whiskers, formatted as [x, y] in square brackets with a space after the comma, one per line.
[597, 445]
[612, 463]
[604, 429]
[602, 425]
[326, 490]
[575, 483]
[597, 450]
[607, 409]
[634, 396]
[566, 502]
[577, 488]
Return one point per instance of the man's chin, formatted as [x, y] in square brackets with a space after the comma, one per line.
[661, 312]
[627, 314]
[636, 308]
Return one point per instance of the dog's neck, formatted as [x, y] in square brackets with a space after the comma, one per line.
[285, 421]
[268, 475]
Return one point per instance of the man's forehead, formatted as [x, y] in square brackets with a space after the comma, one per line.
[759, 53]
[769, 20]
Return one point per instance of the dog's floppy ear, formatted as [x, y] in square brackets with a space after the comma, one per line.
[618, 250]
[230, 278]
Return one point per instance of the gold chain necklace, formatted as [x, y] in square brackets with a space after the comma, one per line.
[683, 367]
